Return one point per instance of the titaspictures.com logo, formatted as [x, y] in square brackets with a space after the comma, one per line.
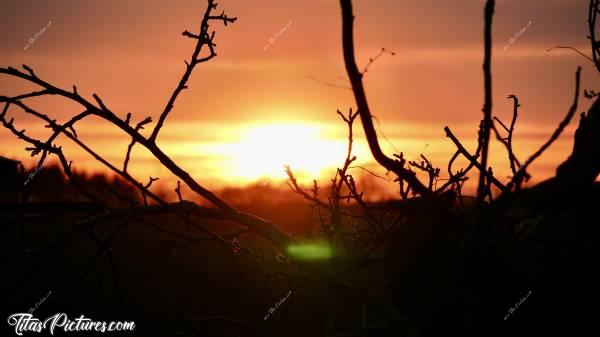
[26, 322]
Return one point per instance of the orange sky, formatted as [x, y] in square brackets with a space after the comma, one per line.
[253, 100]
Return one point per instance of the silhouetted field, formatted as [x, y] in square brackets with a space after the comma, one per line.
[170, 285]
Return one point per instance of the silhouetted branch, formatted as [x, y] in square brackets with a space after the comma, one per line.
[178, 191]
[138, 127]
[204, 38]
[338, 181]
[461, 176]
[373, 59]
[487, 105]
[573, 49]
[370, 172]
[507, 141]
[146, 188]
[363, 107]
[518, 177]
[184, 207]
[348, 180]
[593, 10]
[328, 84]
[426, 166]
[262, 227]
[454, 179]
[472, 159]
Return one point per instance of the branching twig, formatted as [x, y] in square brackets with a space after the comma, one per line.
[507, 141]
[138, 127]
[472, 159]
[426, 166]
[593, 10]
[204, 38]
[519, 176]
[373, 59]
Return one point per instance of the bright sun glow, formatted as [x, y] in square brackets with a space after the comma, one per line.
[262, 151]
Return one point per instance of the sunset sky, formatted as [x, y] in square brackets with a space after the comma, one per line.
[262, 102]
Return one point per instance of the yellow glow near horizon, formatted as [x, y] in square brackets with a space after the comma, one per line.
[262, 151]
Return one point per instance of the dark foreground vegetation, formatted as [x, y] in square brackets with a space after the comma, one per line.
[508, 261]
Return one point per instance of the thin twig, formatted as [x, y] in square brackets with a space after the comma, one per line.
[328, 84]
[373, 59]
[573, 49]
[204, 38]
[518, 177]
[507, 142]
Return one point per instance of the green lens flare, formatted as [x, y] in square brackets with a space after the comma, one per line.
[312, 251]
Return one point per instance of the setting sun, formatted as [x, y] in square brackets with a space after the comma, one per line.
[261, 151]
